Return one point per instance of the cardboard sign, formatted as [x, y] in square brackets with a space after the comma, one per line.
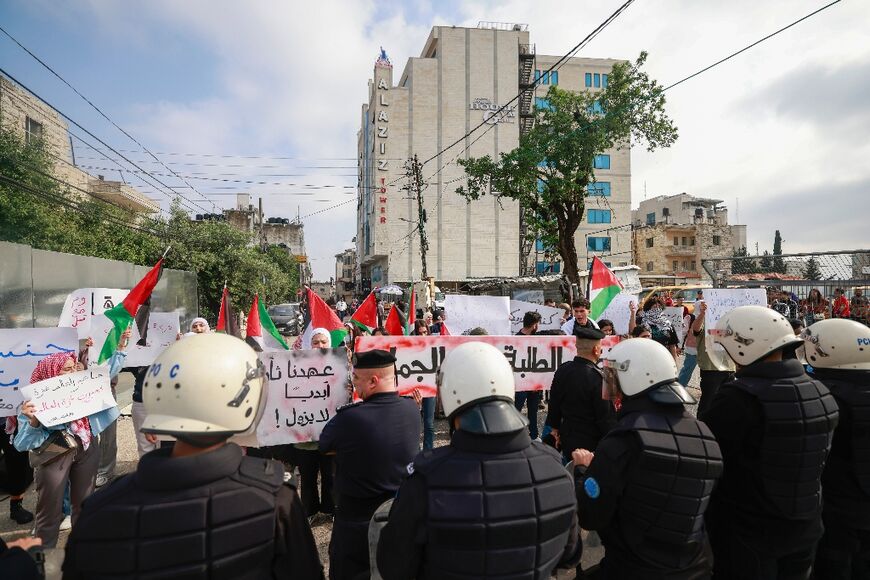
[162, 331]
[20, 350]
[65, 398]
[607, 343]
[534, 296]
[533, 359]
[721, 301]
[674, 314]
[618, 312]
[551, 318]
[467, 312]
[305, 389]
[83, 304]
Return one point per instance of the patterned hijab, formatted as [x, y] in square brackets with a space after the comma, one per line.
[50, 367]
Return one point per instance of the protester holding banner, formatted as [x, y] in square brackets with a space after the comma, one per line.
[652, 317]
[78, 463]
[716, 367]
[428, 404]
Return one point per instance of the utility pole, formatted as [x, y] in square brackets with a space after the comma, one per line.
[414, 173]
[262, 228]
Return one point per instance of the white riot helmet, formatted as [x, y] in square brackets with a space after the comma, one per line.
[750, 333]
[639, 365]
[477, 376]
[208, 385]
[837, 344]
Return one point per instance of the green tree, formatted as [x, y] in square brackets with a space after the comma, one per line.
[742, 264]
[778, 262]
[812, 270]
[552, 172]
[766, 264]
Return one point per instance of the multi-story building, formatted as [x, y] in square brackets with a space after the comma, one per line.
[345, 266]
[672, 235]
[461, 79]
[31, 118]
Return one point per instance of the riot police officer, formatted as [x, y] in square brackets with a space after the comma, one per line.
[648, 484]
[201, 509]
[774, 425]
[373, 441]
[492, 504]
[839, 352]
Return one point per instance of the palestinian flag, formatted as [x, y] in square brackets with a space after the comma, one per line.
[412, 314]
[262, 334]
[227, 322]
[603, 288]
[366, 316]
[322, 316]
[393, 326]
[124, 313]
[444, 331]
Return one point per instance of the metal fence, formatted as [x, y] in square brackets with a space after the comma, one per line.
[799, 275]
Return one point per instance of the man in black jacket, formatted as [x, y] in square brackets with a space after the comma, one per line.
[774, 425]
[839, 352]
[577, 415]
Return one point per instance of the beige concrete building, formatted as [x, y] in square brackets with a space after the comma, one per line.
[462, 77]
[671, 235]
[345, 267]
[31, 118]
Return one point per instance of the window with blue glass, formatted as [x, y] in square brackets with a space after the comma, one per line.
[589, 265]
[599, 216]
[540, 185]
[604, 81]
[601, 188]
[595, 108]
[543, 104]
[602, 162]
[548, 267]
[544, 77]
[651, 219]
[537, 75]
[554, 77]
[596, 80]
[539, 245]
[588, 79]
[598, 243]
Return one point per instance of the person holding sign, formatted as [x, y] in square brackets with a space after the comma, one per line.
[774, 425]
[648, 484]
[493, 503]
[66, 452]
[201, 508]
[716, 367]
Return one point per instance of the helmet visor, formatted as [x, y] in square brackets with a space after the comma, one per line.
[610, 381]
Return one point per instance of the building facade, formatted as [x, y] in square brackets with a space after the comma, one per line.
[461, 79]
[31, 118]
[345, 267]
[672, 235]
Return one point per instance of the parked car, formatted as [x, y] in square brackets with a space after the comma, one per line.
[287, 317]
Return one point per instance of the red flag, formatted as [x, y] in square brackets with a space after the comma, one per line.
[322, 316]
[394, 324]
[226, 321]
[366, 316]
[444, 331]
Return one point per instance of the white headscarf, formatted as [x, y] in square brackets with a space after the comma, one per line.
[194, 321]
[317, 331]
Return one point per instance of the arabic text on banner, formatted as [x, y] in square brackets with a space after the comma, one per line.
[20, 350]
[162, 332]
[534, 359]
[721, 301]
[85, 303]
[305, 388]
[65, 398]
[551, 318]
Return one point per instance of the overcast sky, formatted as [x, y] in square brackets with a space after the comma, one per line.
[781, 129]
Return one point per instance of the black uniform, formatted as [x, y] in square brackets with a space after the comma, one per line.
[576, 407]
[774, 425]
[374, 442]
[646, 492]
[486, 506]
[216, 515]
[844, 551]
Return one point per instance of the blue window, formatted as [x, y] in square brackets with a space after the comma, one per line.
[604, 81]
[651, 219]
[548, 267]
[554, 77]
[588, 79]
[544, 77]
[596, 82]
[602, 162]
[540, 185]
[543, 104]
[601, 188]
[595, 108]
[537, 75]
[598, 243]
[599, 216]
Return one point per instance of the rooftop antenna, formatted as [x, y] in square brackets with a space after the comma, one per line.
[644, 188]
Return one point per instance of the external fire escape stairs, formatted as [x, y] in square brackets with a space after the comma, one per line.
[527, 120]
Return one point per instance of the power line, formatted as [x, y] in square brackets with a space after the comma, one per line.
[328, 208]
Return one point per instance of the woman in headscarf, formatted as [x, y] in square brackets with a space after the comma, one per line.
[79, 466]
[198, 325]
[661, 330]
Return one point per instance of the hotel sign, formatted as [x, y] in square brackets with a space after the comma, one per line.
[492, 112]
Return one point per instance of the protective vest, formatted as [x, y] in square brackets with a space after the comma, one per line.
[670, 486]
[222, 530]
[800, 415]
[503, 515]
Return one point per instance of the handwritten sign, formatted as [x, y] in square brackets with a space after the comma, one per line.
[607, 343]
[551, 318]
[162, 332]
[534, 359]
[83, 304]
[20, 350]
[674, 314]
[721, 301]
[305, 389]
[618, 311]
[467, 312]
[65, 398]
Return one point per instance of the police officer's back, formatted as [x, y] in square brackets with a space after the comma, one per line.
[373, 441]
[201, 509]
[492, 504]
[839, 352]
[647, 486]
[774, 425]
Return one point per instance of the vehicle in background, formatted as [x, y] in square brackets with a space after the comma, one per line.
[688, 293]
[428, 295]
[287, 317]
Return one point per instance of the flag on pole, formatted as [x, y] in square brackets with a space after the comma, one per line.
[603, 288]
[262, 334]
[412, 313]
[366, 316]
[393, 326]
[124, 313]
[226, 320]
[322, 316]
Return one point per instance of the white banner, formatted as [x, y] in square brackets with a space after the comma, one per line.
[65, 398]
[551, 318]
[618, 312]
[162, 331]
[20, 350]
[305, 389]
[721, 301]
[83, 304]
[465, 313]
